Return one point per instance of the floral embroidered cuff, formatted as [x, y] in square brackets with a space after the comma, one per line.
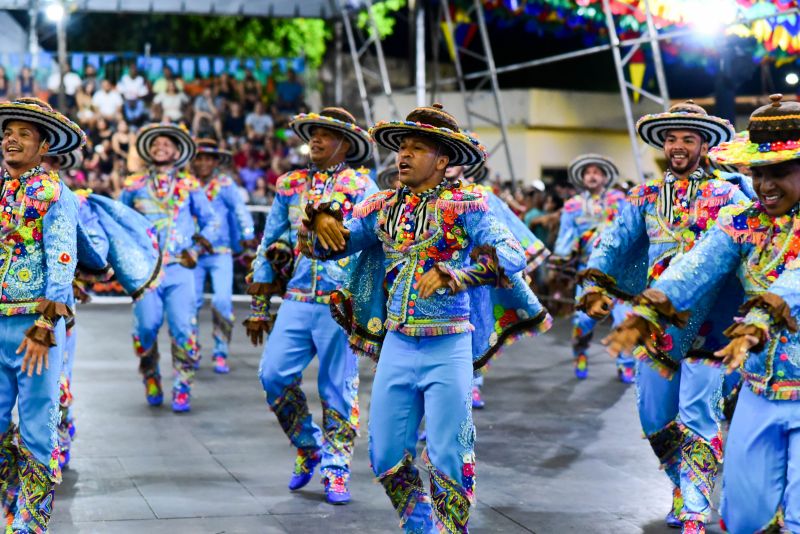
[658, 302]
[52, 310]
[779, 312]
[265, 289]
[42, 332]
[590, 295]
[484, 270]
[334, 209]
[756, 324]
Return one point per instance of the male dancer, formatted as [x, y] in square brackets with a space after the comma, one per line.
[304, 326]
[759, 241]
[441, 252]
[663, 219]
[582, 222]
[38, 227]
[172, 201]
[535, 251]
[236, 232]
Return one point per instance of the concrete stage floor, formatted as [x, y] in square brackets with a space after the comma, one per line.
[554, 455]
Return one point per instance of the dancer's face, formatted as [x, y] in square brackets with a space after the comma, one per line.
[163, 150]
[777, 186]
[684, 149]
[22, 145]
[594, 179]
[204, 165]
[327, 147]
[420, 163]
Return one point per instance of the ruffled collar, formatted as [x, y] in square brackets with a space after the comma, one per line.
[698, 174]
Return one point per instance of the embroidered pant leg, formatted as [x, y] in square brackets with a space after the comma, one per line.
[395, 412]
[657, 401]
[618, 315]
[148, 316]
[445, 378]
[179, 299]
[761, 456]
[38, 406]
[582, 329]
[221, 271]
[701, 450]
[338, 389]
[66, 425]
[9, 471]
[287, 353]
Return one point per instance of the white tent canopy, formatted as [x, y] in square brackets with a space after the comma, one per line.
[254, 8]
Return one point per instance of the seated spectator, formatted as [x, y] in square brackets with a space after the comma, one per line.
[290, 93]
[251, 91]
[26, 83]
[121, 142]
[135, 112]
[206, 112]
[225, 90]
[251, 173]
[172, 101]
[100, 132]
[132, 86]
[90, 80]
[107, 101]
[86, 113]
[71, 84]
[5, 85]
[258, 123]
[160, 85]
[234, 124]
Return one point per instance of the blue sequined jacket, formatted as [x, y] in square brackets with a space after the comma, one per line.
[403, 235]
[173, 203]
[236, 223]
[306, 280]
[762, 251]
[650, 232]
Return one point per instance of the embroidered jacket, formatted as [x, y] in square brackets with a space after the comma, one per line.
[535, 251]
[172, 202]
[38, 227]
[763, 252]
[236, 223]
[341, 188]
[92, 239]
[583, 219]
[449, 228]
[662, 220]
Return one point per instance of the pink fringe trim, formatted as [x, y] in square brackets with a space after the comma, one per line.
[462, 206]
[642, 200]
[365, 208]
[292, 190]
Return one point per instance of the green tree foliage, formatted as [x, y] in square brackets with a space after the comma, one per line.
[384, 16]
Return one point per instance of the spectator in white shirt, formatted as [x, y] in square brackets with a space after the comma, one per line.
[132, 85]
[107, 101]
[172, 102]
[71, 83]
[258, 123]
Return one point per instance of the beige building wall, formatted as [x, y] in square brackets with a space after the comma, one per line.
[547, 129]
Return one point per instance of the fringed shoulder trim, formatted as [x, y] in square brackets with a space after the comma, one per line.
[135, 181]
[462, 200]
[373, 203]
[292, 182]
[714, 193]
[351, 180]
[744, 223]
[188, 181]
[646, 192]
[572, 205]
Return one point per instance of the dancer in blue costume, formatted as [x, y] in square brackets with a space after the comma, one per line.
[760, 243]
[38, 228]
[436, 291]
[583, 220]
[235, 234]
[678, 383]
[535, 251]
[175, 204]
[304, 326]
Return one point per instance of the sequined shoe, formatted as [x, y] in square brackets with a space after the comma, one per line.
[63, 459]
[336, 491]
[181, 400]
[221, 365]
[581, 367]
[626, 374]
[153, 391]
[672, 521]
[304, 465]
[477, 400]
[693, 527]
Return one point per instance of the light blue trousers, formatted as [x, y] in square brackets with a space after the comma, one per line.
[762, 464]
[219, 268]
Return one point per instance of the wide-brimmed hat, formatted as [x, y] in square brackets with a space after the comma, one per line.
[63, 135]
[773, 136]
[387, 177]
[70, 161]
[340, 120]
[433, 122]
[684, 116]
[477, 173]
[579, 164]
[210, 146]
[179, 134]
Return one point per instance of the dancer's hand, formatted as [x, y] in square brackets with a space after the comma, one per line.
[331, 232]
[632, 332]
[429, 282]
[734, 353]
[188, 260]
[36, 355]
[256, 328]
[597, 305]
